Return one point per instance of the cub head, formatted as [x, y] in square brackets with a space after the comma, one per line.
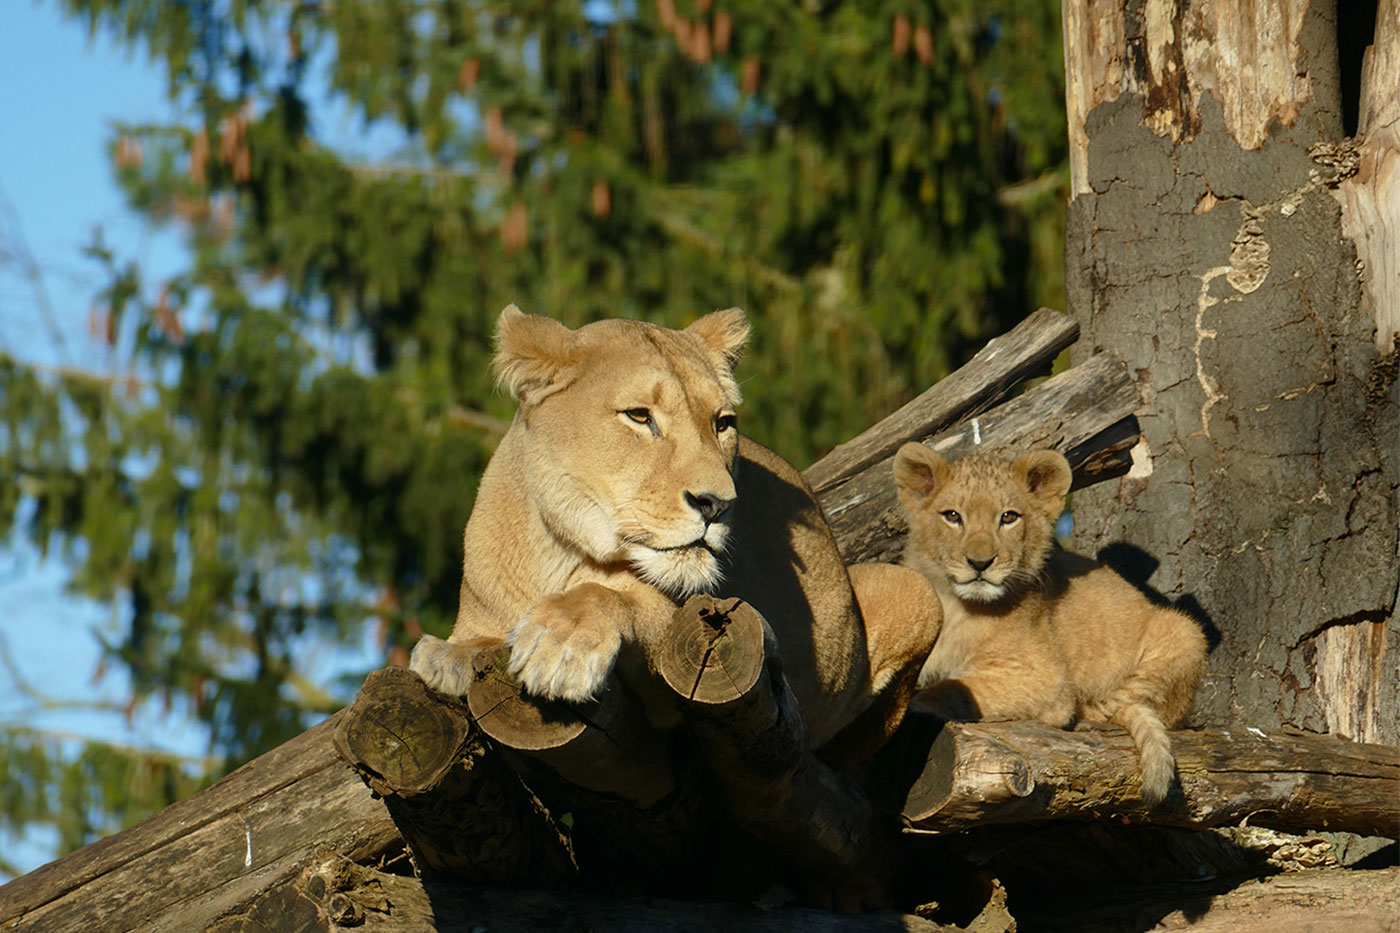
[983, 526]
[629, 434]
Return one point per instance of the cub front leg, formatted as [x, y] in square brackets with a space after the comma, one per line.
[565, 646]
[999, 694]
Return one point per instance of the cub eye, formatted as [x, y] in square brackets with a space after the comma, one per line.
[1009, 517]
[952, 518]
[726, 423]
[639, 415]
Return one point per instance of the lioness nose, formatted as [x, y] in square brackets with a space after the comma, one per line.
[980, 565]
[709, 505]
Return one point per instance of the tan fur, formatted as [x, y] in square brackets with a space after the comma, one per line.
[1031, 631]
[623, 487]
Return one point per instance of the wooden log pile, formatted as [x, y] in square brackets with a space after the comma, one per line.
[507, 790]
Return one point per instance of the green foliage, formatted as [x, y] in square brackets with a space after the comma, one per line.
[879, 185]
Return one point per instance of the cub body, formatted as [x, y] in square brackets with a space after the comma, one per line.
[1031, 631]
[621, 488]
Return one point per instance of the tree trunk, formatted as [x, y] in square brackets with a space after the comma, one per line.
[1206, 248]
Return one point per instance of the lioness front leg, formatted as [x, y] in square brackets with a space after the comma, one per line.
[565, 646]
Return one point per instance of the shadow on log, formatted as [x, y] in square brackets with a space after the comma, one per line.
[722, 661]
[421, 753]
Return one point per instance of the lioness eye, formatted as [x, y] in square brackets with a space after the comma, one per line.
[1009, 517]
[726, 423]
[639, 415]
[952, 517]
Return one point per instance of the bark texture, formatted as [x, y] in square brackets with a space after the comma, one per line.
[1205, 248]
[212, 852]
[979, 774]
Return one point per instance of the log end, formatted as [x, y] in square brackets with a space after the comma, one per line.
[400, 739]
[512, 717]
[714, 651]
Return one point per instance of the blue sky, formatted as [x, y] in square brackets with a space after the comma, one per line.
[62, 93]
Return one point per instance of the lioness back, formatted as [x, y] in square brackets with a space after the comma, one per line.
[1031, 630]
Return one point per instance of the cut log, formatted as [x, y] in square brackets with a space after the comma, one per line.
[984, 773]
[1086, 413]
[1006, 361]
[420, 752]
[212, 852]
[723, 664]
[635, 826]
[605, 746]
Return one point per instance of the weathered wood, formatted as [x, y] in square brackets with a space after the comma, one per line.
[1209, 150]
[983, 773]
[751, 734]
[212, 852]
[1006, 361]
[635, 826]
[1086, 413]
[715, 651]
[606, 745]
[333, 894]
[1328, 901]
[1370, 198]
[463, 812]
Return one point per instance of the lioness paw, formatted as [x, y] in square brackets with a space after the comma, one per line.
[441, 666]
[559, 654]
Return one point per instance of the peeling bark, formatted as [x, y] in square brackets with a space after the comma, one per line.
[1207, 249]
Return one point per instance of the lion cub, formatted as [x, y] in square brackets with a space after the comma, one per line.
[1031, 631]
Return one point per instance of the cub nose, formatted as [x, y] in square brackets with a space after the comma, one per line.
[980, 565]
[709, 505]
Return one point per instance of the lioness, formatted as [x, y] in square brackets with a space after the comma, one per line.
[622, 487]
[1032, 631]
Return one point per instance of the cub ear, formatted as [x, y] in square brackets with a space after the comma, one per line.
[918, 471]
[1046, 475]
[533, 354]
[723, 333]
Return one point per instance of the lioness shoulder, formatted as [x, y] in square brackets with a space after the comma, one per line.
[1032, 631]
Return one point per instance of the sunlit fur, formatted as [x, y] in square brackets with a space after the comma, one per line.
[621, 487]
[1031, 631]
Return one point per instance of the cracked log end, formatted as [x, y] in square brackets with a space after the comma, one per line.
[714, 650]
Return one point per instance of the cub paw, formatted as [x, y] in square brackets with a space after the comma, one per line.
[442, 665]
[560, 651]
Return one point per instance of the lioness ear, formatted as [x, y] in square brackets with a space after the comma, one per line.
[1046, 476]
[724, 333]
[533, 353]
[918, 471]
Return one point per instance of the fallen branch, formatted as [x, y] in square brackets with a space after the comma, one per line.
[1023, 352]
[209, 853]
[1086, 413]
[979, 774]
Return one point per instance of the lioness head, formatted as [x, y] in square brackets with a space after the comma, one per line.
[983, 525]
[629, 432]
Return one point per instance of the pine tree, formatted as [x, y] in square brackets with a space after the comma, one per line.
[296, 451]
